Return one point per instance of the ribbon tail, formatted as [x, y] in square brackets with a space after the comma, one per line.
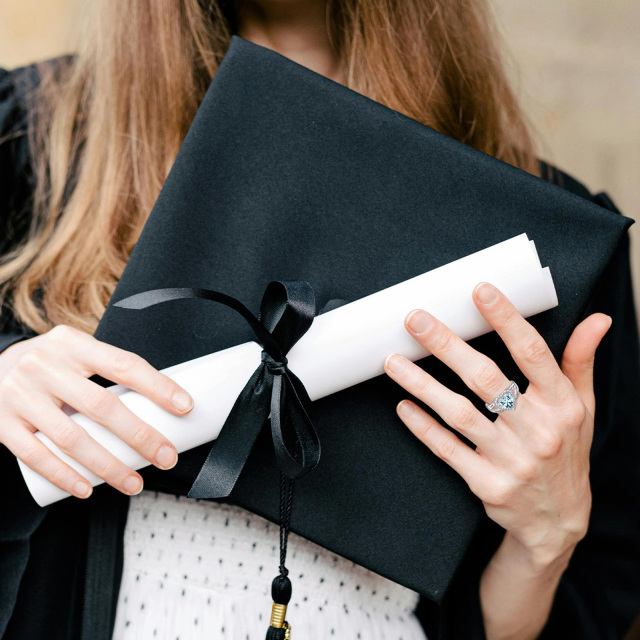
[288, 400]
[230, 451]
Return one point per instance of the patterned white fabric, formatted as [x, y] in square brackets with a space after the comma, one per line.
[196, 570]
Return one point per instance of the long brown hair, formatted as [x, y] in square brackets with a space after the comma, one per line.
[107, 126]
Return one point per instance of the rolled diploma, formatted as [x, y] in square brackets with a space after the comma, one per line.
[342, 348]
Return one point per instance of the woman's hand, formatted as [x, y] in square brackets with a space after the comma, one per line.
[40, 374]
[530, 467]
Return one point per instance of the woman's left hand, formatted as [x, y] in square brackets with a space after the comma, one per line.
[530, 467]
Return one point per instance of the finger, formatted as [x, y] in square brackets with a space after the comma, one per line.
[24, 445]
[107, 409]
[527, 347]
[481, 374]
[579, 355]
[456, 410]
[465, 461]
[125, 368]
[74, 441]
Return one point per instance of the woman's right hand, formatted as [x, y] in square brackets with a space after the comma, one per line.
[38, 375]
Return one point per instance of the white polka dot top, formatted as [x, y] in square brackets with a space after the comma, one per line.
[196, 570]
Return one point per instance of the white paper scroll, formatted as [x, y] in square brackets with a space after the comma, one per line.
[342, 348]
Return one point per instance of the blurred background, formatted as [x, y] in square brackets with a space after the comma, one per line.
[575, 65]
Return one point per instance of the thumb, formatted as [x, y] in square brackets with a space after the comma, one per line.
[579, 355]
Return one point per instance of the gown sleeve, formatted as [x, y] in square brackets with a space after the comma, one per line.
[599, 594]
[15, 188]
[19, 515]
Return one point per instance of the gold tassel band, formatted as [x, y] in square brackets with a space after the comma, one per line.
[278, 614]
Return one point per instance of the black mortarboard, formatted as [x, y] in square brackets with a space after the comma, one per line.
[287, 175]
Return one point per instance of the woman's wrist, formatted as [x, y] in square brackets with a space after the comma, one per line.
[534, 561]
[517, 589]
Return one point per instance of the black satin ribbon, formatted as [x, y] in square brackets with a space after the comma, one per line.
[286, 313]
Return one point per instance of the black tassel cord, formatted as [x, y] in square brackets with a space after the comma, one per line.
[281, 588]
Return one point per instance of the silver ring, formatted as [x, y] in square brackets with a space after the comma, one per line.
[505, 401]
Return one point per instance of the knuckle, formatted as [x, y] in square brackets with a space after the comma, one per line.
[125, 361]
[446, 449]
[166, 388]
[112, 470]
[59, 476]
[564, 392]
[464, 416]
[525, 470]
[422, 430]
[549, 444]
[535, 351]
[579, 530]
[11, 386]
[100, 401]
[62, 333]
[443, 341]
[501, 493]
[142, 438]
[507, 315]
[576, 410]
[488, 376]
[421, 384]
[31, 361]
[31, 454]
[68, 436]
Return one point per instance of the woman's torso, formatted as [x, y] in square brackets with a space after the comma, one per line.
[200, 569]
[35, 541]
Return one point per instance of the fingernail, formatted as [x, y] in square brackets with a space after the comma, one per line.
[167, 457]
[133, 485]
[405, 409]
[182, 401]
[396, 364]
[419, 321]
[487, 293]
[82, 489]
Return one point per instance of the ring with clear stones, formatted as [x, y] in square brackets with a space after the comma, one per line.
[505, 401]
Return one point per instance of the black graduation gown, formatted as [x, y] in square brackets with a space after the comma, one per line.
[42, 551]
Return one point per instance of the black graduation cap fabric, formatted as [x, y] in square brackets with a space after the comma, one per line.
[287, 175]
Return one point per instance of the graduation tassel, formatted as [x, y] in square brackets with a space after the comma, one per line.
[279, 628]
[274, 394]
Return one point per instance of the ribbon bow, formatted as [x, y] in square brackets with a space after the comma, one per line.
[286, 313]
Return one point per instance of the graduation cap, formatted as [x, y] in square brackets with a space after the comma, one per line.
[287, 175]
